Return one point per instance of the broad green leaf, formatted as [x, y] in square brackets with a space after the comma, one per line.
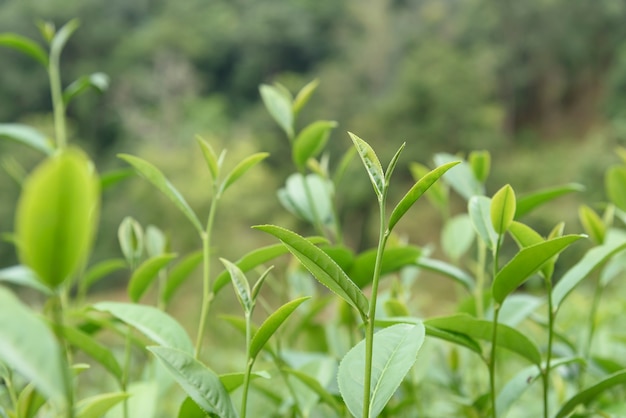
[154, 176]
[28, 136]
[241, 169]
[437, 193]
[111, 178]
[209, 156]
[26, 46]
[392, 164]
[341, 254]
[303, 96]
[527, 262]
[279, 107]
[321, 266]
[479, 209]
[590, 261]
[130, 236]
[150, 321]
[98, 405]
[232, 381]
[60, 39]
[30, 348]
[97, 81]
[93, 349]
[179, 273]
[457, 236]
[372, 165]
[395, 351]
[23, 276]
[198, 381]
[480, 162]
[524, 235]
[311, 141]
[502, 209]
[448, 270]
[528, 202]
[145, 275]
[587, 396]
[190, 409]
[155, 241]
[313, 384]
[481, 329]
[462, 178]
[102, 269]
[57, 216]
[592, 224]
[394, 259]
[518, 307]
[241, 285]
[417, 191]
[271, 324]
[295, 198]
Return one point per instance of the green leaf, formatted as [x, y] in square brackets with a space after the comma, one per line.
[111, 178]
[232, 381]
[241, 285]
[395, 351]
[97, 406]
[198, 381]
[479, 209]
[154, 176]
[311, 141]
[150, 321]
[313, 384]
[145, 275]
[417, 191]
[321, 266]
[372, 165]
[190, 409]
[481, 329]
[93, 349]
[448, 270]
[528, 202]
[615, 184]
[502, 209]
[256, 289]
[57, 216]
[392, 164]
[590, 261]
[179, 274]
[279, 107]
[527, 262]
[295, 199]
[60, 39]
[28, 136]
[303, 96]
[592, 224]
[23, 276]
[462, 178]
[457, 236]
[30, 348]
[241, 169]
[437, 193]
[102, 269]
[524, 235]
[271, 324]
[586, 396]
[29, 402]
[97, 81]
[26, 46]
[209, 156]
[394, 259]
[130, 236]
[155, 240]
[480, 162]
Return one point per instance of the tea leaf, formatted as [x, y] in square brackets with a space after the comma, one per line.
[396, 349]
[479, 209]
[96, 81]
[97, 406]
[417, 191]
[156, 242]
[130, 236]
[259, 283]
[316, 387]
[150, 321]
[23, 276]
[394, 258]
[241, 169]
[29, 402]
[154, 176]
[57, 216]
[462, 178]
[179, 273]
[392, 164]
[279, 107]
[241, 285]
[295, 199]
[502, 209]
[437, 193]
[615, 183]
[457, 236]
[524, 235]
[304, 95]
[528, 202]
[145, 275]
[61, 37]
[527, 262]
[448, 270]
[102, 269]
[93, 349]
[480, 161]
[209, 156]
[198, 381]
[232, 381]
[590, 261]
[321, 266]
[372, 165]
[190, 409]
[592, 224]
[311, 141]
[271, 324]
[28, 136]
[111, 178]
[30, 348]
[26, 46]
[586, 396]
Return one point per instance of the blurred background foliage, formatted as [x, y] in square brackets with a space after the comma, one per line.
[541, 84]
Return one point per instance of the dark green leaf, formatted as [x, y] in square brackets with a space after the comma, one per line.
[26, 46]
[179, 273]
[528, 202]
[145, 275]
[111, 178]
[394, 259]
[586, 396]
[190, 409]
[232, 381]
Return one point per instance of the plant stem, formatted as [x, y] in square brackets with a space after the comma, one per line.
[58, 106]
[592, 319]
[126, 372]
[369, 335]
[57, 317]
[249, 364]
[480, 278]
[546, 371]
[492, 361]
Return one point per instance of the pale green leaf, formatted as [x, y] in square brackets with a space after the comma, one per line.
[457, 236]
[60, 39]
[241, 285]
[209, 156]
[98, 405]
[23, 276]
[592, 224]
[587, 396]
[145, 275]
[303, 96]
[279, 106]
[479, 209]
[232, 381]
[480, 162]
[372, 164]
[155, 241]
[392, 164]
[241, 168]
[93, 349]
[179, 274]
[102, 269]
[394, 259]
[528, 202]
[462, 178]
[448, 270]
[130, 236]
[502, 209]
[27, 135]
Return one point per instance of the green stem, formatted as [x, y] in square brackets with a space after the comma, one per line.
[57, 317]
[58, 106]
[249, 364]
[480, 278]
[597, 295]
[492, 361]
[126, 371]
[546, 371]
[369, 333]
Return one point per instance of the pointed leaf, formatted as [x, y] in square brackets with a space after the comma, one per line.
[28, 136]
[527, 262]
[321, 266]
[279, 107]
[417, 191]
[111, 178]
[154, 176]
[395, 351]
[313, 384]
[190, 409]
[311, 141]
[232, 381]
[28, 403]
[528, 202]
[524, 235]
[372, 164]
[241, 285]
[93, 349]
[480, 161]
[145, 275]
[156, 241]
[209, 156]
[448, 270]
[586, 396]
[462, 178]
[150, 321]
[271, 324]
[256, 289]
[198, 381]
[592, 224]
[179, 274]
[392, 164]
[502, 209]
[437, 193]
[60, 39]
[394, 259]
[130, 237]
[102, 269]
[241, 169]
[57, 216]
[97, 406]
[479, 209]
[304, 95]
[295, 197]
[97, 81]
[26, 46]
[23, 276]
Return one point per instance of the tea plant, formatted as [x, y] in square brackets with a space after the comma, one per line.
[359, 358]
